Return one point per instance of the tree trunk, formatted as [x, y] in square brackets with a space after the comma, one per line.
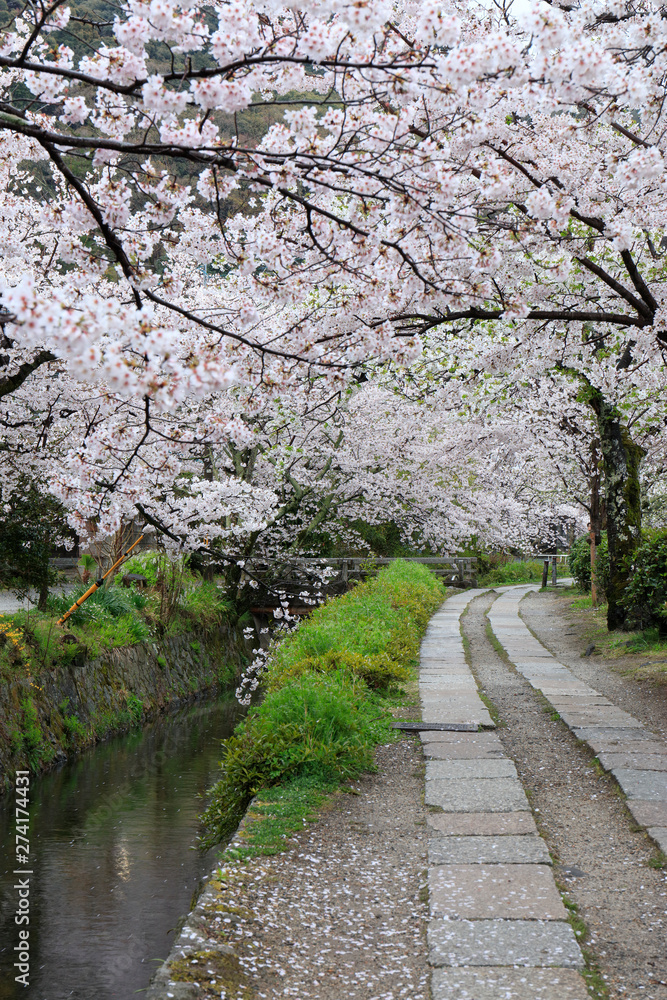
[594, 585]
[621, 460]
[596, 520]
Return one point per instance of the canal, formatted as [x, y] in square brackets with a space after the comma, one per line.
[113, 852]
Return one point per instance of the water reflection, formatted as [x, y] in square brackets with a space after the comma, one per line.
[113, 859]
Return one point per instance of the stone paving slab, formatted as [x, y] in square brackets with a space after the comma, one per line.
[532, 943]
[449, 661]
[546, 677]
[477, 795]
[534, 659]
[440, 682]
[442, 649]
[563, 689]
[648, 813]
[599, 718]
[619, 737]
[644, 743]
[454, 708]
[659, 834]
[444, 678]
[450, 669]
[480, 892]
[478, 717]
[575, 701]
[435, 643]
[462, 751]
[648, 785]
[438, 770]
[515, 850]
[641, 761]
[451, 736]
[543, 681]
[468, 701]
[482, 824]
[508, 984]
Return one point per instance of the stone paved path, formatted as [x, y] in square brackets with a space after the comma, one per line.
[498, 929]
[636, 758]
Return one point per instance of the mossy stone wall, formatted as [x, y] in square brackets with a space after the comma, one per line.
[62, 710]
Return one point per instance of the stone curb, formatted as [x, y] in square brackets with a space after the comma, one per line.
[192, 937]
[624, 746]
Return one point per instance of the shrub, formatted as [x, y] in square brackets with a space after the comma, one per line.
[125, 631]
[321, 726]
[74, 730]
[135, 708]
[379, 671]
[31, 732]
[105, 603]
[205, 606]
[520, 571]
[646, 595]
[146, 564]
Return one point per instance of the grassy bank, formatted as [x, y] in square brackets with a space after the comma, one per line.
[330, 688]
[641, 654]
[525, 571]
[175, 601]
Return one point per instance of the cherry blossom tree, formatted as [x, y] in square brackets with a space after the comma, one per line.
[452, 169]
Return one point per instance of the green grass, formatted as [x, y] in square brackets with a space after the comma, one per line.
[646, 641]
[495, 642]
[280, 812]
[527, 571]
[330, 687]
[113, 617]
[583, 602]
[597, 988]
[644, 653]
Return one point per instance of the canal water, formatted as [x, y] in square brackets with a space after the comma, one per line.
[113, 851]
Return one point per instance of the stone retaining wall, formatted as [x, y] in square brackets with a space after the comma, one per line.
[60, 711]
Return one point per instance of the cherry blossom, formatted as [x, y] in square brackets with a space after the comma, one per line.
[433, 182]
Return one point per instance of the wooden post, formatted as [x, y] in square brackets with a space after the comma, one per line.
[554, 571]
[545, 572]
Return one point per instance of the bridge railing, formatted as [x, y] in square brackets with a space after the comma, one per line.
[295, 572]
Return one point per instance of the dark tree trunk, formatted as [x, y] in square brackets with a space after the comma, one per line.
[595, 526]
[621, 459]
